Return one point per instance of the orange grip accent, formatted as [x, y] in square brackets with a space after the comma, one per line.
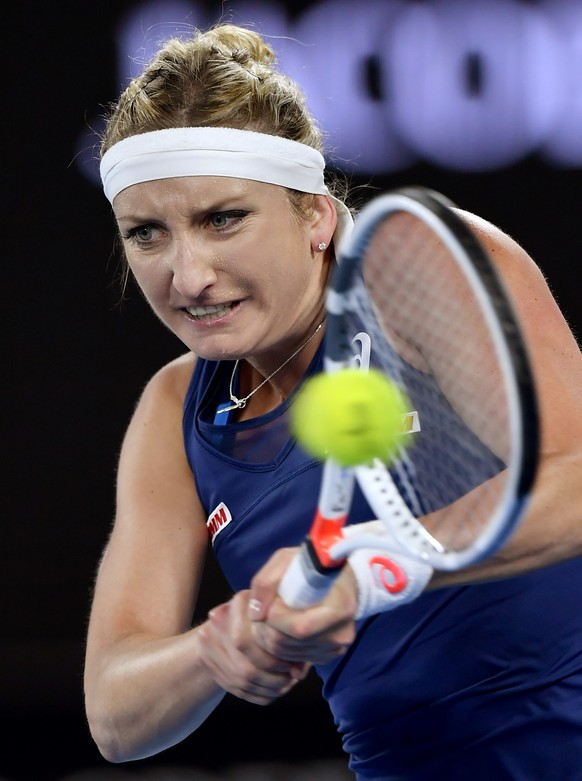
[323, 535]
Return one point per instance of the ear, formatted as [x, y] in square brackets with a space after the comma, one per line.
[323, 223]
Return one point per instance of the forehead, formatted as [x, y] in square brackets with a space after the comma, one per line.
[199, 192]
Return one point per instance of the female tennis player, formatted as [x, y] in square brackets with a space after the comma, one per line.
[214, 169]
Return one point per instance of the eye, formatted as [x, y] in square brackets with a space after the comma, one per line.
[141, 234]
[222, 220]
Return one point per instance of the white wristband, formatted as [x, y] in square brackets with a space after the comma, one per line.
[386, 579]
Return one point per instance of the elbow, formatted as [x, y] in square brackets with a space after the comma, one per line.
[112, 754]
[111, 739]
[115, 750]
[107, 741]
[115, 728]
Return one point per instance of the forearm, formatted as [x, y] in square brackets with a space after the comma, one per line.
[148, 694]
[550, 531]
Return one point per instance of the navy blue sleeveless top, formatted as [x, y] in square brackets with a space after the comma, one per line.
[472, 683]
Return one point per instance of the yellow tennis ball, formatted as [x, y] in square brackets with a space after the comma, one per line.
[352, 416]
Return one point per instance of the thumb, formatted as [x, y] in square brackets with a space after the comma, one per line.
[265, 584]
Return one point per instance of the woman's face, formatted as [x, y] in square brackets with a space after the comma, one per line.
[225, 263]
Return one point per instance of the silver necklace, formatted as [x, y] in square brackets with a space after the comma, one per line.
[240, 403]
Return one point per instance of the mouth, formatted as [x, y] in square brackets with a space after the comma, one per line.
[211, 312]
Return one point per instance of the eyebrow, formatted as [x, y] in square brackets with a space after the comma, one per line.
[221, 202]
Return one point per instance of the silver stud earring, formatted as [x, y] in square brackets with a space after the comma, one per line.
[321, 246]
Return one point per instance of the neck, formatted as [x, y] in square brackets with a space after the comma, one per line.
[264, 386]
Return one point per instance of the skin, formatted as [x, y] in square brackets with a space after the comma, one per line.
[150, 678]
[217, 241]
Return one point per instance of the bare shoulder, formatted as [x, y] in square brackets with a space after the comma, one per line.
[506, 253]
[523, 278]
[153, 453]
[555, 354]
[170, 383]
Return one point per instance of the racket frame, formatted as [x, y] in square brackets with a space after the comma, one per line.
[375, 481]
[325, 548]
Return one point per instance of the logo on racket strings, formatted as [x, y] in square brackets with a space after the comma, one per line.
[411, 420]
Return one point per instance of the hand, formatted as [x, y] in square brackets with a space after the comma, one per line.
[237, 662]
[317, 634]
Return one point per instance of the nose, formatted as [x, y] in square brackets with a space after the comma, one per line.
[192, 267]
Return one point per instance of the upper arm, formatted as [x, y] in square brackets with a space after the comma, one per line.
[554, 353]
[150, 572]
[551, 529]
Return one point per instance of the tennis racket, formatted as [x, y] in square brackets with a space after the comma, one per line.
[415, 295]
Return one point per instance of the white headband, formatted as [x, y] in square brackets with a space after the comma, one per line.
[218, 151]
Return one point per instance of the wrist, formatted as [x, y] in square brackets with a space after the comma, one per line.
[386, 580]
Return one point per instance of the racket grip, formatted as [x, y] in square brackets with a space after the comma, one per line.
[302, 584]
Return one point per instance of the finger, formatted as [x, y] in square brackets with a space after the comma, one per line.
[239, 677]
[259, 696]
[232, 630]
[265, 584]
[335, 611]
[315, 649]
[313, 622]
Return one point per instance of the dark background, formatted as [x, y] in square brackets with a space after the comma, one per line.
[75, 362]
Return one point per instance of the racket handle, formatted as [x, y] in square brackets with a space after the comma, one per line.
[302, 584]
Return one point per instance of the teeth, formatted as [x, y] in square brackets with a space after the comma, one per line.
[203, 311]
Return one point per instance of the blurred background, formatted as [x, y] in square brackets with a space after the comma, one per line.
[481, 100]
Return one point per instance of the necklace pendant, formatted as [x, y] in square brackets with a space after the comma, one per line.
[237, 404]
[242, 403]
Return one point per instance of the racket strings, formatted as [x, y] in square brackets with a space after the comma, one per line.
[431, 334]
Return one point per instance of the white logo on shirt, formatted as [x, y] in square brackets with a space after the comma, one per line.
[218, 519]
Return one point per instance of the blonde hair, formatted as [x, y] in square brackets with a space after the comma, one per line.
[223, 77]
